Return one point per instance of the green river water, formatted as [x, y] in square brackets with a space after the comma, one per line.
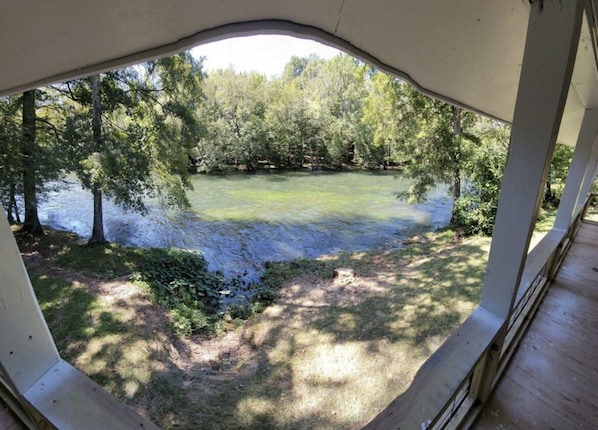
[240, 221]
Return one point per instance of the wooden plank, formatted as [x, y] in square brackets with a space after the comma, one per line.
[433, 385]
[495, 418]
[558, 368]
[68, 399]
[524, 405]
[551, 380]
[536, 260]
[553, 399]
[8, 421]
[579, 314]
[544, 338]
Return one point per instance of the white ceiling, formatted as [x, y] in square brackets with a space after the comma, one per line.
[466, 51]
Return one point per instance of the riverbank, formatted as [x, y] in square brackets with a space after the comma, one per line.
[330, 352]
[241, 221]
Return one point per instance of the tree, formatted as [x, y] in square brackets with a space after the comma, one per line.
[97, 232]
[31, 222]
[437, 143]
[30, 152]
[559, 168]
[437, 148]
[11, 170]
[295, 135]
[390, 117]
[172, 127]
[234, 113]
[89, 152]
[475, 210]
[337, 91]
[130, 132]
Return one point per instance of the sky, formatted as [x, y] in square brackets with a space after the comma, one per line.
[266, 54]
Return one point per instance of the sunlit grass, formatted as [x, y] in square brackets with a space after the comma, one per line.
[330, 353]
[108, 344]
[334, 360]
[592, 213]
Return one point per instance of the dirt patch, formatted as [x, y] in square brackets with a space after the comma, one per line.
[330, 352]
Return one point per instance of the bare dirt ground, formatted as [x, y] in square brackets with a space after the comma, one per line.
[208, 363]
[329, 353]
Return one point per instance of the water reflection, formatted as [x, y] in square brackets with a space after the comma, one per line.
[239, 222]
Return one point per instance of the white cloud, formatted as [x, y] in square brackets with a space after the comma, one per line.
[266, 54]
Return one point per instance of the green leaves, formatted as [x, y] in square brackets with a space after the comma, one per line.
[197, 297]
[181, 281]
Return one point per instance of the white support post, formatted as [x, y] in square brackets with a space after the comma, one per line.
[592, 172]
[580, 168]
[545, 78]
[548, 61]
[27, 349]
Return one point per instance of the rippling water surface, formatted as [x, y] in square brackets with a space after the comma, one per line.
[241, 221]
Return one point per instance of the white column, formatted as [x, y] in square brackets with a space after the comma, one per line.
[581, 167]
[27, 349]
[592, 172]
[546, 71]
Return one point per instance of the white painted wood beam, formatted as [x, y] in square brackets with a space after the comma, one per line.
[581, 166]
[547, 67]
[590, 177]
[27, 349]
[545, 78]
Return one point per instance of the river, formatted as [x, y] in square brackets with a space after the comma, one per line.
[241, 221]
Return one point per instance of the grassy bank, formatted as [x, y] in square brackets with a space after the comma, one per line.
[330, 352]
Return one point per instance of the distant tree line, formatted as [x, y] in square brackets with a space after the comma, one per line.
[139, 132]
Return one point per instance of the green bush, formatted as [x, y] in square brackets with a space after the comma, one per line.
[475, 211]
[196, 297]
[187, 320]
[473, 216]
[181, 281]
[180, 276]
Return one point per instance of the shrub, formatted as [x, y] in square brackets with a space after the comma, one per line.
[197, 297]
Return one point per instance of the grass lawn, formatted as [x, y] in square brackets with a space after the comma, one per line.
[592, 213]
[329, 353]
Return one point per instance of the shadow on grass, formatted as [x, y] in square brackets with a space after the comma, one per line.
[328, 354]
[331, 354]
[115, 348]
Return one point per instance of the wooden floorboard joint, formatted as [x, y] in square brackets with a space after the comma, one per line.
[551, 380]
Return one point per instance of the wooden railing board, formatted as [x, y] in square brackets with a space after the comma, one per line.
[67, 399]
[460, 353]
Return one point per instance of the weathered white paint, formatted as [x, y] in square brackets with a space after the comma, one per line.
[468, 51]
[477, 45]
[465, 51]
[545, 79]
[536, 259]
[68, 399]
[27, 350]
[588, 139]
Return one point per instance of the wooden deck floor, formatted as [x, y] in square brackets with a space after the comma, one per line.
[552, 380]
[8, 421]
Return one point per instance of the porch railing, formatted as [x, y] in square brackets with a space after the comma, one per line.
[445, 393]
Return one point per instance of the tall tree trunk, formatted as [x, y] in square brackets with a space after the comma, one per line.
[456, 185]
[31, 223]
[13, 207]
[97, 233]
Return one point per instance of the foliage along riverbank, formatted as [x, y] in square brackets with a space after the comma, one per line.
[327, 353]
